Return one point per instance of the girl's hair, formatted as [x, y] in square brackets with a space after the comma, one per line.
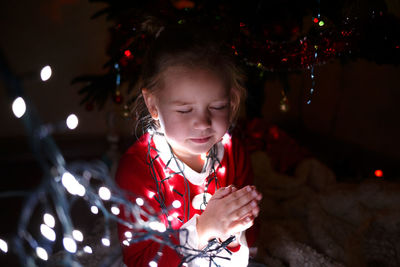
[186, 46]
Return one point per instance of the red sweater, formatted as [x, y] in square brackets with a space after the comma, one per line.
[133, 175]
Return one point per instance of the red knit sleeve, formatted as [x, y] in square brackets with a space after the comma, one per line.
[133, 175]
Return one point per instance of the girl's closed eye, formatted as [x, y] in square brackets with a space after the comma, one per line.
[184, 111]
[219, 107]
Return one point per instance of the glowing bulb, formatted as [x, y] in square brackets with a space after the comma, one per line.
[3, 246]
[175, 214]
[171, 188]
[88, 249]
[153, 264]
[19, 107]
[42, 253]
[77, 235]
[226, 138]
[49, 220]
[170, 218]
[128, 234]
[157, 226]
[94, 209]
[222, 170]
[48, 232]
[105, 241]
[72, 185]
[151, 194]
[203, 156]
[321, 23]
[104, 193]
[45, 73]
[176, 204]
[72, 121]
[139, 201]
[69, 244]
[378, 173]
[126, 242]
[115, 210]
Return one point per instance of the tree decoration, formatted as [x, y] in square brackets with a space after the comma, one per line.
[266, 37]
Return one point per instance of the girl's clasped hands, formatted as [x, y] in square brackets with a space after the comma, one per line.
[229, 212]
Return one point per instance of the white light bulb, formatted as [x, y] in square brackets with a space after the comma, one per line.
[171, 188]
[222, 170]
[42, 253]
[105, 241]
[72, 185]
[139, 201]
[151, 194]
[126, 242]
[226, 138]
[45, 73]
[157, 226]
[19, 107]
[49, 220]
[69, 244]
[3, 246]
[48, 232]
[104, 193]
[176, 204]
[72, 121]
[153, 264]
[115, 210]
[77, 235]
[170, 218]
[128, 234]
[88, 249]
[94, 209]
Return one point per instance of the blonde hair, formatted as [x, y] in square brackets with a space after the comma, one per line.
[191, 47]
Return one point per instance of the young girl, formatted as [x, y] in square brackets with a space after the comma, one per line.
[187, 166]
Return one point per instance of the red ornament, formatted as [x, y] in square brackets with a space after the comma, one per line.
[315, 20]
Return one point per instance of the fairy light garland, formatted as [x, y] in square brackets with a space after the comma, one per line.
[63, 184]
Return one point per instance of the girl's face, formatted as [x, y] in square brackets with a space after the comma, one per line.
[193, 108]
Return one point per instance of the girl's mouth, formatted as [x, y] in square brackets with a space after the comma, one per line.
[200, 140]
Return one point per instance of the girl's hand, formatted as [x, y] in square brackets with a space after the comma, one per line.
[228, 212]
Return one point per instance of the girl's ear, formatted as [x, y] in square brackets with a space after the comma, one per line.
[150, 101]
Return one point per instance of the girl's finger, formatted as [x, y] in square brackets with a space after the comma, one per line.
[241, 198]
[222, 192]
[244, 211]
[242, 225]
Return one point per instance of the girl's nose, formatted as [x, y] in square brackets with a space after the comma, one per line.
[202, 120]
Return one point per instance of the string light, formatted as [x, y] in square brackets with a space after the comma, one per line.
[3, 246]
[128, 234]
[49, 220]
[72, 121]
[19, 107]
[45, 73]
[47, 232]
[176, 204]
[115, 210]
[69, 244]
[139, 201]
[378, 173]
[94, 209]
[104, 193]
[42, 253]
[105, 241]
[87, 249]
[77, 235]
[72, 185]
